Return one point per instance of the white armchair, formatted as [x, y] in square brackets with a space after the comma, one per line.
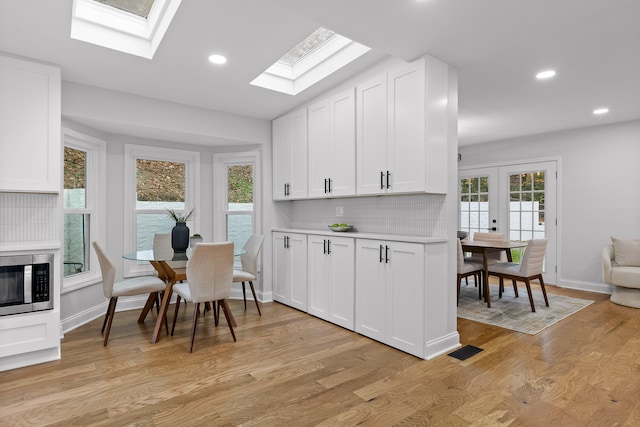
[621, 268]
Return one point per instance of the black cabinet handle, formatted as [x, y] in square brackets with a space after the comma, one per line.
[386, 254]
[381, 180]
[286, 242]
[388, 179]
[324, 246]
[380, 253]
[329, 247]
[329, 185]
[325, 186]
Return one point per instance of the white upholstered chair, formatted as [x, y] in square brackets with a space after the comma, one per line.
[209, 278]
[621, 268]
[492, 257]
[468, 268]
[249, 270]
[127, 287]
[530, 269]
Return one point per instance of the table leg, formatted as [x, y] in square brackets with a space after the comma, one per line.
[148, 306]
[166, 299]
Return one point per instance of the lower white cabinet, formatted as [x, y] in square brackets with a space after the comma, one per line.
[290, 269]
[331, 273]
[390, 282]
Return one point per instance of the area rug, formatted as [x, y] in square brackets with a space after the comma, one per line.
[515, 313]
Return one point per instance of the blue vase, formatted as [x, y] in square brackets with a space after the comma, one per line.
[180, 237]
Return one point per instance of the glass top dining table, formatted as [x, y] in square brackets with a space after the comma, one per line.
[164, 262]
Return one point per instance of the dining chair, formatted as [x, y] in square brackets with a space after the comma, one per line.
[492, 257]
[151, 285]
[209, 278]
[530, 269]
[162, 245]
[468, 268]
[249, 271]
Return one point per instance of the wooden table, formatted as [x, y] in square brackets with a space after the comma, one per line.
[160, 261]
[485, 247]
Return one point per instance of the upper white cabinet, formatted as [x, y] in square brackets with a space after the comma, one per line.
[290, 269]
[331, 272]
[332, 146]
[30, 141]
[401, 130]
[290, 156]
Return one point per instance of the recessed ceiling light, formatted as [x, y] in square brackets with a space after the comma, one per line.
[546, 74]
[218, 59]
[599, 111]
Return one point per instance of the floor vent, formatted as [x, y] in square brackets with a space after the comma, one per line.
[465, 352]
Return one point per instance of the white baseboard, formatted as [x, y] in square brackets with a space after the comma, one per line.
[441, 345]
[601, 288]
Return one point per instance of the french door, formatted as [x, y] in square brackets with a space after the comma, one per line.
[518, 200]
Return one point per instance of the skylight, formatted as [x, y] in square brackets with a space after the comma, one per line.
[140, 8]
[322, 53]
[129, 26]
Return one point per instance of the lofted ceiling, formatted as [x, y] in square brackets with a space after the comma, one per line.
[497, 47]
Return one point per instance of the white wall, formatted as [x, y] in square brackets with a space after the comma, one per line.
[599, 193]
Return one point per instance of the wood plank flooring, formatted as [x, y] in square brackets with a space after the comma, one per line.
[290, 369]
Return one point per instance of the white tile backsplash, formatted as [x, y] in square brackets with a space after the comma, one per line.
[415, 214]
[28, 217]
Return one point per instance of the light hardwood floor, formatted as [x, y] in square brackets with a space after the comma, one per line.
[290, 369]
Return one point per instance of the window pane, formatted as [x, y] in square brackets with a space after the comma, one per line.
[148, 225]
[239, 228]
[161, 182]
[75, 162]
[76, 243]
[240, 188]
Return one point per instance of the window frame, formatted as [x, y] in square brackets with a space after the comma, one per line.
[221, 161]
[132, 153]
[95, 202]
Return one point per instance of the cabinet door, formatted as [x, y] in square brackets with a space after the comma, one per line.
[371, 290]
[320, 148]
[342, 281]
[290, 269]
[281, 266]
[371, 136]
[297, 247]
[405, 297]
[406, 116]
[290, 156]
[319, 273]
[343, 130]
[281, 156]
[30, 136]
[298, 188]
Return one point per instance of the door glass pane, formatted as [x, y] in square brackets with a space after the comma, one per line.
[526, 208]
[474, 204]
[76, 243]
[75, 162]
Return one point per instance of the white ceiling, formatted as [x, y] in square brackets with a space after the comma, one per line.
[497, 46]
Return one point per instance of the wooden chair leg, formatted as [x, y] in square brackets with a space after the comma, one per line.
[501, 287]
[175, 314]
[544, 291]
[216, 312]
[110, 312]
[515, 287]
[226, 315]
[196, 313]
[244, 297]
[151, 300]
[533, 307]
[459, 281]
[255, 298]
[466, 280]
[106, 316]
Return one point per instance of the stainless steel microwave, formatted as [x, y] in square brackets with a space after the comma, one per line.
[26, 283]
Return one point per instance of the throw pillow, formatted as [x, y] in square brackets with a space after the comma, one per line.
[626, 251]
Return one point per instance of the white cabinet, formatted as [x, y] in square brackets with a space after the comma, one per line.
[390, 282]
[402, 123]
[331, 272]
[332, 146]
[30, 145]
[290, 156]
[290, 269]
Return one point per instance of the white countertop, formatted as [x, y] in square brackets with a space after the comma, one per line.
[358, 235]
